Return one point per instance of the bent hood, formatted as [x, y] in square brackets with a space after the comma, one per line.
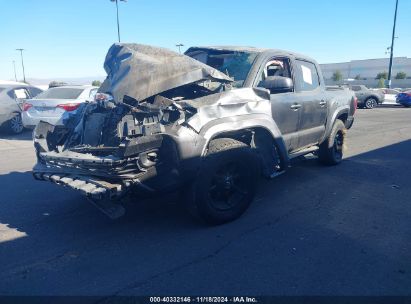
[141, 71]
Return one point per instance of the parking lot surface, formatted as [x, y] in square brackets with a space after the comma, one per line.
[315, 230]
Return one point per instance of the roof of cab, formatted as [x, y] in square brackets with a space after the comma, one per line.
[252, 50]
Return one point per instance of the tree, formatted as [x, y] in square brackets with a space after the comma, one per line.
[382, 75]
[381, 83]
[358, 77]
[401, 75]
[96, 83]
[337, 76]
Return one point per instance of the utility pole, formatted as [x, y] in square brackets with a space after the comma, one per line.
[118, 22]
[179, 45]
[392, 46]
[22, 63]
[14, 66]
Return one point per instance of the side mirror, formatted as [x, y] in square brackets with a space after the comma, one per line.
[277, 84]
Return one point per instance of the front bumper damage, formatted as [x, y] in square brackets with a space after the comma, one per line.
[151, 145]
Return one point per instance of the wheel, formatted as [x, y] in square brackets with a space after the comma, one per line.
[331, 150]
[371, 103]
[15, 124]
[226, 183]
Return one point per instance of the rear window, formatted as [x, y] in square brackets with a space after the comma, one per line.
[34, 91]
[61, 93]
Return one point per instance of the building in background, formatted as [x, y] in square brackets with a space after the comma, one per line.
[365, 71]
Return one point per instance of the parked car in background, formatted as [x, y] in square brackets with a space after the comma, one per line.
[404, 99]
[12, 97]
[390, 95]
[56, 104]
[367, 98]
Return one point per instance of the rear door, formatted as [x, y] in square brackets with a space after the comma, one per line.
[20, 95]
[310, 96]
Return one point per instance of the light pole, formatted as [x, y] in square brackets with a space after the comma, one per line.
[14, 66]
[179, 45]
[392, 46]
[118, 22]
[22, 63]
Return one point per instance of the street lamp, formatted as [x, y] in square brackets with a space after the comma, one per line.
[14, 66]
[392, 46]
[179, 45]
[118, 23]
[22, 63]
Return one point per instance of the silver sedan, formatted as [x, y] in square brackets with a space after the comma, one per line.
[56, 104]
[12, 97]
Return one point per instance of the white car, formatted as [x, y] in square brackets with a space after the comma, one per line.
[12, 96]
[390, 95]
[55, 104]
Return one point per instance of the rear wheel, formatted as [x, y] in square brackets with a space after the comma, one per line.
[371, 103]
[226, 183]
[15, 124]
[331, 150]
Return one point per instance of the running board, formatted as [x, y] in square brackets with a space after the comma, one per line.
[304, 152]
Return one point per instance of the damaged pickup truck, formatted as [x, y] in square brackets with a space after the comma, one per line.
[208, 122]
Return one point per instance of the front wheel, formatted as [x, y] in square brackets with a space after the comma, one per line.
[226, 183]
[331, 150]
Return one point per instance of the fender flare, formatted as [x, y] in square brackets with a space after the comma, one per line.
[225, 125]
[338, 112]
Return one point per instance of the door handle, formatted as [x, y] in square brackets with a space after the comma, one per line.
[295, 107]
[323, 103]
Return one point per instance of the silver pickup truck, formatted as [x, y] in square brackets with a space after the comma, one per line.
[208, 122]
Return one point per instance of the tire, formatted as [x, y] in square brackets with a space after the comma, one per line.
[370, 103]
[331, 150]
[226, 183]
[15, 124]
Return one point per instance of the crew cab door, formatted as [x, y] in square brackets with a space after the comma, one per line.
[285, 111]
[311, 98]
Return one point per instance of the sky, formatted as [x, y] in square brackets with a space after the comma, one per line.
[69, 38]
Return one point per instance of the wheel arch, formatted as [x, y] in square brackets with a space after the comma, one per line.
[245, 129]
[373, 96]
[341, 113]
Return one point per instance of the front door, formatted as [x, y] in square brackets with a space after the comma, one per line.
[285, 111]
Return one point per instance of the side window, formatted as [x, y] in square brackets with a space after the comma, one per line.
[275, 67]
[21, 94]
[34, 91]
[356, 88]
[307, 76]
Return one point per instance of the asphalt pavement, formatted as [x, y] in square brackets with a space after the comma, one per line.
[315, 230]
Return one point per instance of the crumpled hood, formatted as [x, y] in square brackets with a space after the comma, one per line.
[141, 71]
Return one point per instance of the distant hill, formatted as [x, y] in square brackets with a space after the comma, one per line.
[68, 80]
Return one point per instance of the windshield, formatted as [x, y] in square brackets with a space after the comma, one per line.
[61, 93]
[234, 64]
